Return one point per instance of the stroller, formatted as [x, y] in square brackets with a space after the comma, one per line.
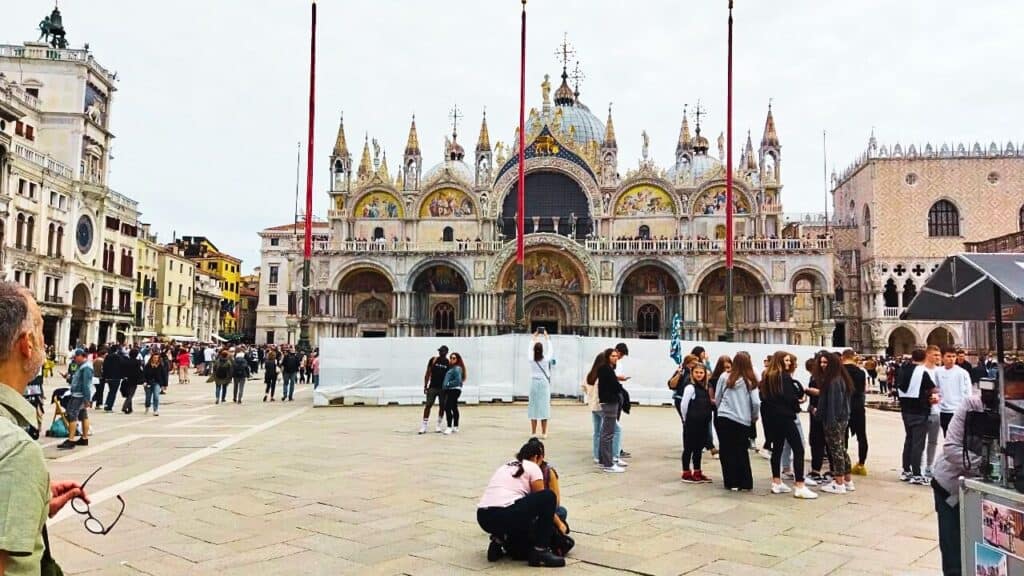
[59, 425]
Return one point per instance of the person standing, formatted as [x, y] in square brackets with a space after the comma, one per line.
[113, 373]
[79, 403]
[738, 407]
[542, 360]
[858, 411]
[154, 375]
[780, 406]
[131, 371]
[916, 387]
[836, 390]
[239, 374]
[290, 366]
[27, 495]
[254, 361]
[962, 362]
[223, 371]
[695, 412]
[315, 369]
[184, 357]
[954, 383]
[433, 387]
[453, 380]
[270, 375]
[209, 355]
[609, 393]
[99, 383]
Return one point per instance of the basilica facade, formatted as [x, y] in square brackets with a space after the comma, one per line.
[430, 251]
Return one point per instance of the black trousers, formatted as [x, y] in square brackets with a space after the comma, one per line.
[129, 393]
[859, 428]
[695, 432]
[451, 406]
[949, 531]
[536, 510]
[97, 394]
[781, 431]
[734, 453]
[916, 428]
[816, 438]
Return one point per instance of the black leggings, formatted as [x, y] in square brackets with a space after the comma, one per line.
[514, 522]
[694, 437]
[271, 385]
[816, 438]
[858, 428]
[451, 406]
[781, 431]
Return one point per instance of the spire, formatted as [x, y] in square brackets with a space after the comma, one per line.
[684, 142]
[609, 131]
[700, 143]
[748, 153]
[770, 138]
[383, 170]
[412, 145]
[565, 96]
[340, 146]
[483, 143]
[365, 164]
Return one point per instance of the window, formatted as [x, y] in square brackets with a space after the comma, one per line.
[19, 239]
[30, 132]
[444, 318]
[30, 225]
[274, 271]
[270, 336]
[60, 241]
[53, 198]
[32, 190]
[644, 232]
[51, 234]
[28, 280]
[448, 235]
[911, 179]
[867, 223]
[272, 299]
[275, 241]
[648, 321]
[943, 219]
[170, 288]
[378, 232]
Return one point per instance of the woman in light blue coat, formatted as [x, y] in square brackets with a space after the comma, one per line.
[542, 360]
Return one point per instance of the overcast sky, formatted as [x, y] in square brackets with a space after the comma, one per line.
[212, 94]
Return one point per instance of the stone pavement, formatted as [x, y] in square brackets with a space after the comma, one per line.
[282, 488]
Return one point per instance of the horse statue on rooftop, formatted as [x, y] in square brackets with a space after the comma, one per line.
[51, 29]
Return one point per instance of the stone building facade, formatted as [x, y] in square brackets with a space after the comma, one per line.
[898, 213]
[415, 251]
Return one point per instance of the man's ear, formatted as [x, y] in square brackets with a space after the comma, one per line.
[24, 344]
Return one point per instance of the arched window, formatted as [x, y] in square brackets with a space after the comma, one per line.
[943, 219]
[1020, 219]
[448, 235]
[19, 238]
[909, 291]
[2, 237]
[30, 231]
[867, 223]
[644, 232]
[372, 311]
[891, 295]
[50, 233]
[840, 294]
[60, 241]
[444, 317]
[378, 232]
[648, 321]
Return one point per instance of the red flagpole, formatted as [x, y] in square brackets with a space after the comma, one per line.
[307, 252]
[728, 194]
[521, 184]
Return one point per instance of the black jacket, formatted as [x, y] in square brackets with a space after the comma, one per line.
[155, 374]
[290, 363]
[781, 407]
[609, 389]
[131, 371]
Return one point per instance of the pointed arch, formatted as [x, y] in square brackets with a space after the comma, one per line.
[943, 219]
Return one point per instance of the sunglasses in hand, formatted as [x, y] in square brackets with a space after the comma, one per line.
[93, 524]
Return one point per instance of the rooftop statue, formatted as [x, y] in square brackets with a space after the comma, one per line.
[51, 29]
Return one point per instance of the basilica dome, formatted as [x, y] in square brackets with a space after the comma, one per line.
[585, 125]
[459, 170]
[699, 166]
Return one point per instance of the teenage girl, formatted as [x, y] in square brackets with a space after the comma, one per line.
[452, 386]
[695, 411]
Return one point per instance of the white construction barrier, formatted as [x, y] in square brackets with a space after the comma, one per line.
[381, 371]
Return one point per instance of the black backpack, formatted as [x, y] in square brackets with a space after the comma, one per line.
[223, 370]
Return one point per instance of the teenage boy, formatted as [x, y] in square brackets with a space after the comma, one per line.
[916, 388]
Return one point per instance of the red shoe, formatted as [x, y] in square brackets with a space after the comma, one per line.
[689, 477]
[699, 476]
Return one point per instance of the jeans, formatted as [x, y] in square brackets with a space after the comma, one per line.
[779, 435]
[916, 428]
[316, 381]
[536, 511]
[451, 406]
[949, 531]
[609, 414]
[220, 392]
[115, 387]
[787, 450]
[933, 442]
[238, 388]
[616, 441]
[289, 385]
[153, 396]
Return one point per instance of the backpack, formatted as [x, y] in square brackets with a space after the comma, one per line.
[240, 367]
[223, 370]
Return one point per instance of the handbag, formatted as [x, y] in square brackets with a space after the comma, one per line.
[57, 429]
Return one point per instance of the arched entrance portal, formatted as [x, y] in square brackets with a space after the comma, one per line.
[747, 291]
[941, 337]
[546, 312]
[808, 311]
[555, 288]
[902, 341]
[554, 203]
[438, 301]
[80, 308]
[370, 292]
[649, 301]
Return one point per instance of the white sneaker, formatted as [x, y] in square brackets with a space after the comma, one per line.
[423, 428]
[780, 488]
[621, 462]
[810, 481]
[440, 427]
[455, 430]
[833, 488]
[849, 486]
[447, 431]
[804, 493]
[597, 461]
[766, 454]
[614, 469]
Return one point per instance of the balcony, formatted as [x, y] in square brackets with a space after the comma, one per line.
[1013, 242]
[39, 51]
[43, 161]
[778, 245]
[392, 246]
[53, 299]
[892, 312]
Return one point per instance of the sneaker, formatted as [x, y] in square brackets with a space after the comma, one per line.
[827, 476]
[858, 470]
[614, 469]
[264, 397]
[833, 488]
[804, 493]
[624, 454]
[788, 476]
[545, 558]
[66, 445]
[700, 477]
[423, 428]
[815, 476]
[155, 413]
[687, 476]
[808, 480]
[82, 442]
[780, 488]
[455, 430]
[447, 431]
[620, 462]
[597, 460]
[495, 551]
[920, 481]
[850, 486]
[544, 436]
[439, 428]
[766, 454]
[905, 476]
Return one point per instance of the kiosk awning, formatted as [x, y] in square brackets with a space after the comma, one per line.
[964, 288]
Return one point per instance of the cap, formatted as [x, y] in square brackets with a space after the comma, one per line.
[80, 352]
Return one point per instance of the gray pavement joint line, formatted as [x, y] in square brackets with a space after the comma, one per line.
[86, 452]
[177, 464]
[103, 429]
